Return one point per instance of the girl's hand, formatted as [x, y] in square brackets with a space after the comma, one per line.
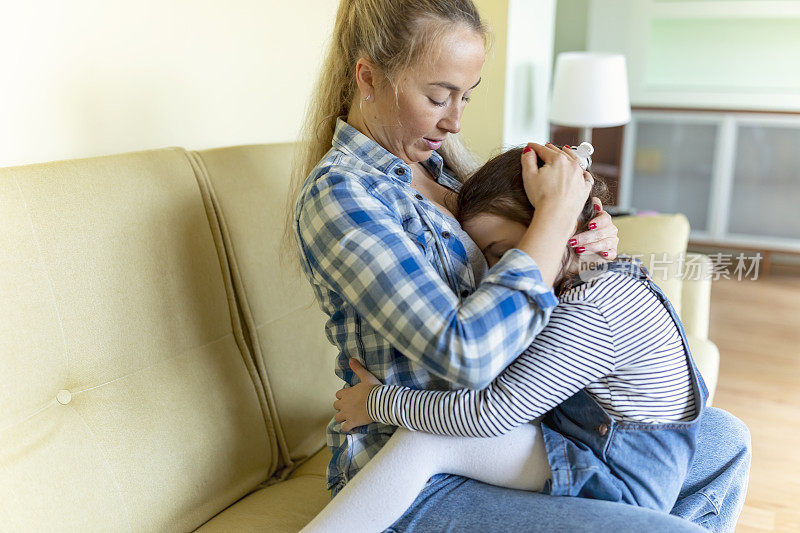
[352, 401]
[602, 239]
[560, 183]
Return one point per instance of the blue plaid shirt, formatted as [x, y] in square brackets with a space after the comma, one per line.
[399, 289]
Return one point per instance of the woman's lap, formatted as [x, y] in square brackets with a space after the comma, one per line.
[717, 476]
[715, 487]
[454, 503]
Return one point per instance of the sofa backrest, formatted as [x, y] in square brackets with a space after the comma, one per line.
[129, 399]
[249, 185]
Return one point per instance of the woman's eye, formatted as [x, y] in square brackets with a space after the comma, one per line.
[437, 103]
[466, 98]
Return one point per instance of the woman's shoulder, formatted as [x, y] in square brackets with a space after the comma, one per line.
[340, 171]
[335, 166]
[339, 184]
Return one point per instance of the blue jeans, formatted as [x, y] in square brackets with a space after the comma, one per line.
[711, 497]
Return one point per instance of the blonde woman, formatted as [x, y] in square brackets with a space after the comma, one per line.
[409, 294]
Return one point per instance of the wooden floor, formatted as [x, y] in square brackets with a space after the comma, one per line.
[756, 325]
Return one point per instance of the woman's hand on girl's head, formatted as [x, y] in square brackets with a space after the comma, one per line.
[351, 402]
[601, 238]
[560, 183]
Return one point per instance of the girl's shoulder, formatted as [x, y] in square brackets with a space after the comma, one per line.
[599, 286]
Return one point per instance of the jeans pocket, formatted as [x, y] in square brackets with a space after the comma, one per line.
[696, 508]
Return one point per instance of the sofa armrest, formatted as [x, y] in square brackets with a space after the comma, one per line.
[696, 294]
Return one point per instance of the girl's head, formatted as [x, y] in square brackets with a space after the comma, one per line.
[400, 71]
[494, 208]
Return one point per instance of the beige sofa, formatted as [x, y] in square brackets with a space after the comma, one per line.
[163, 370]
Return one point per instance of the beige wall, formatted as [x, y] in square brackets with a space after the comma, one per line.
[482, 122]
[91, 77]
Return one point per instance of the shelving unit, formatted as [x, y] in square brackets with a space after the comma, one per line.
[734, 174]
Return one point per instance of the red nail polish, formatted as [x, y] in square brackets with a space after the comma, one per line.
[596, 207]
[573, 242]
[592, 225]
[580, 249]
[605, 254]
[527, 149]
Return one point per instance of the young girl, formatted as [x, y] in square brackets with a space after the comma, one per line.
[610, 377]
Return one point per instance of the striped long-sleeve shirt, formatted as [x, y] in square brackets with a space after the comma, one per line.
[611, 336]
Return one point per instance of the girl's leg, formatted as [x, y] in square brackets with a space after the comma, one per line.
[382, 491]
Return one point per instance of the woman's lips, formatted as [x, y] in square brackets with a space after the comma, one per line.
[433, 144]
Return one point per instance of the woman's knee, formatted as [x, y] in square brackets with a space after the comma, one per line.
[735, 432]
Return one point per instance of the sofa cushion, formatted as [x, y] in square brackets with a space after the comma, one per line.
[660, 242]
[286, 506]
[286, 325]
[126, 401]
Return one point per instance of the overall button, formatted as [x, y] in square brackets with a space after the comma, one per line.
[464, 293]
[400, 171]
[602, 429]
[63, 397]
[418, 196]
[446, 234]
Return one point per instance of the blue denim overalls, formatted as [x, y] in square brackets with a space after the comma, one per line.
[593, 456]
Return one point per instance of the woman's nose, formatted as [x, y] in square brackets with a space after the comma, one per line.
[452, 121]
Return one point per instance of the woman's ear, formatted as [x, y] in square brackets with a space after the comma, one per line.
[366, 74]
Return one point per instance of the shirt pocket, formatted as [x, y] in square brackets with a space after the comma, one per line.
[422, 236]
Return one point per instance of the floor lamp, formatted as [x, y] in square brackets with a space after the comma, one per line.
[590, 90]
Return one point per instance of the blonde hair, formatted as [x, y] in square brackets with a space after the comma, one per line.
[393, 34]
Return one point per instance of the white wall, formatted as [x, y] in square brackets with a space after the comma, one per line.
[712, 54]
[529, 64]
[94, 77]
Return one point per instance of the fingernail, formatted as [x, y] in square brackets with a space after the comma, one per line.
[573, 242]
[526, 150]
[592, 225]
[605, 254]
[580, 249]
[596, 207]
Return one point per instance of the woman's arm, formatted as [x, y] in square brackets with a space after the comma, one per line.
[355, 245]
[574, 350]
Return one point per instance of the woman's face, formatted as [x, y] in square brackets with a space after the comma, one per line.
[494, 235]
[431, 96]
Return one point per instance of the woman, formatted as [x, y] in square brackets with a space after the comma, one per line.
[371, 213]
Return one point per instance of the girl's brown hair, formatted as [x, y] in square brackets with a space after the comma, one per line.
[497, 188]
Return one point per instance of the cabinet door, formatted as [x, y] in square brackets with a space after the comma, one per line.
[765, 195]
[672, 170]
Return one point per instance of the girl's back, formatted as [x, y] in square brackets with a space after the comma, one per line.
[633, 336]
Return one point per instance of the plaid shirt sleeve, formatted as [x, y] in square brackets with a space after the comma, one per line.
[355, 245]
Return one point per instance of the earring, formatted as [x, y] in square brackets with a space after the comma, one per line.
[367, 97]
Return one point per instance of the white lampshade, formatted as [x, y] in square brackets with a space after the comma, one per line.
[590, 90]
